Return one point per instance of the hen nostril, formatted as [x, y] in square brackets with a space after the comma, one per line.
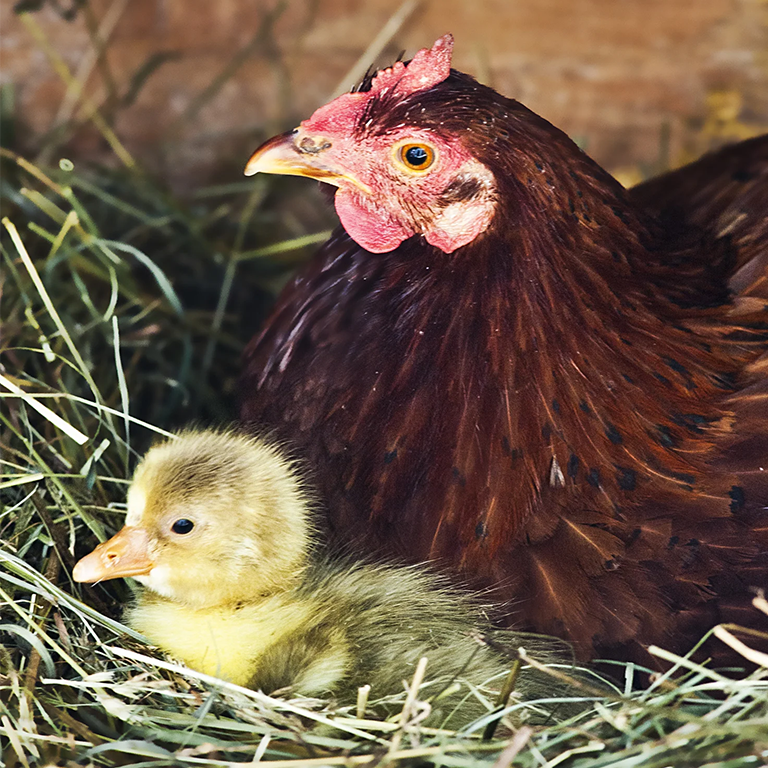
[312, 146]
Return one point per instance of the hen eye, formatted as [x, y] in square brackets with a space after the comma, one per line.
[416, 157]
[182, 526]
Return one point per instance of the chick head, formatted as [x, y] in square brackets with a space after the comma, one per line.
[213, 518]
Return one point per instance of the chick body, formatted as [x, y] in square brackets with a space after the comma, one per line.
[236, 642]
[219, 531]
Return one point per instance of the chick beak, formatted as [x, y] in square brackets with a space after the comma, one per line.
[125, 554]
[282, 155]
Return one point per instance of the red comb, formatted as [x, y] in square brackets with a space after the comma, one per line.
[428, 67]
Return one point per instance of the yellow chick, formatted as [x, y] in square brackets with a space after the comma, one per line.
[219, 531]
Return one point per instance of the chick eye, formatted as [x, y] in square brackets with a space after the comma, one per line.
[416, 157]
[182, 526]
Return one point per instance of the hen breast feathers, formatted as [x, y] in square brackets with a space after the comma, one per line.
[571, 407]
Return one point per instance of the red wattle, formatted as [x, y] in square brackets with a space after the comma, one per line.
[373, 229]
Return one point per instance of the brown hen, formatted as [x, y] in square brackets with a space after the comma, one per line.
[509, 364]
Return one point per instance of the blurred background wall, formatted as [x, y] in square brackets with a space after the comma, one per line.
[191, 86]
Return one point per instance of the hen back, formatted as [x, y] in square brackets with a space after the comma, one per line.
[570, 409]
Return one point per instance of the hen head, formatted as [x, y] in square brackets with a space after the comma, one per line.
[394, 152]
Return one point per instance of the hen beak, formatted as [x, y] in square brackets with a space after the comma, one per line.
[125, 554]
[281, 155]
